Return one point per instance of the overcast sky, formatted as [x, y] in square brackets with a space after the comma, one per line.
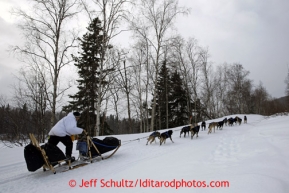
[254, 33]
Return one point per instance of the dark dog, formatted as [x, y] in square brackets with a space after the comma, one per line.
[220, 125]
[165, 135]
[185, 130]
[231, 121]
[195, 130]
[238, 119]
[203, 125]
[245, 119]
[153, 136]
[225, 121]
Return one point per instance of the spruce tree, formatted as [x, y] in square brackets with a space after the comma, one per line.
[171, 100]
[88, 64]
[178, 102]
[161, 119]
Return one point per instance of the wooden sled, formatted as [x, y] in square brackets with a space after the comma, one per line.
[47, 164]
[90, 149]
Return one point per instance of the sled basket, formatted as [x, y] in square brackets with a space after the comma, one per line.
[94, 147]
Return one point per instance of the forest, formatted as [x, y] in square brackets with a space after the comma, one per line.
[161, 80]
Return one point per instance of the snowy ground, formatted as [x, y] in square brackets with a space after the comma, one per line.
[249, 158]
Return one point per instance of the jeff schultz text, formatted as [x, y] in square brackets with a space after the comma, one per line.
[149, 183]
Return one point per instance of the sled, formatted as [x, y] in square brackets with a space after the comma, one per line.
[46, 163]
[91, 148]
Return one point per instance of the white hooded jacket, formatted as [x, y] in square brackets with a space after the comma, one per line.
[66, 126]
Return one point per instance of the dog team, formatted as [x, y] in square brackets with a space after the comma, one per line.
[194, 129]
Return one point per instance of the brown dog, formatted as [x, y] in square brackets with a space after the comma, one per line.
[195, 130]
[153, 136]
[211, 126]
[165, 135]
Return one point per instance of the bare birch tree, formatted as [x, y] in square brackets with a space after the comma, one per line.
[143, 71]
[125, 84]
[138, 60]
[193, 52]
[239, 88]
[207, 88]
[48, 42]
[178, 56]
[31, 91]
[111, 13]
[187, 54]
[221, 87]
[157, 18]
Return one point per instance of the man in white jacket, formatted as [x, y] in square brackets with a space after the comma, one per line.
[62, 131]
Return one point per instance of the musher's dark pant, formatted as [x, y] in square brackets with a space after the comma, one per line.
[54, 140]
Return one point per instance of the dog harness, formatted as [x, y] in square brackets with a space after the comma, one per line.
[154, 134]
[167, 134]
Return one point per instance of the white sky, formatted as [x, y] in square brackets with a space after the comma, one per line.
[251, 32]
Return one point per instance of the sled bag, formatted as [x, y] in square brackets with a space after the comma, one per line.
[105, 145]
[112, 141]
[33, 158]
[53, 153]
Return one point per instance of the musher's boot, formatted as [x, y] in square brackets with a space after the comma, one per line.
[71, 158]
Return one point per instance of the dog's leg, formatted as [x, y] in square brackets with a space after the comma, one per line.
[152, 140]
[147, 141]
[171, 139]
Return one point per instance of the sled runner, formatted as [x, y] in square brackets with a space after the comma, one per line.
[90, 148]
[46, 156]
